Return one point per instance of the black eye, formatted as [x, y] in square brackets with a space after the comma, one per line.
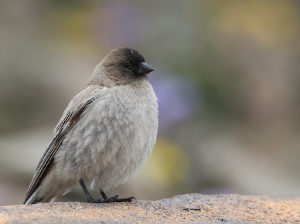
[126, 65]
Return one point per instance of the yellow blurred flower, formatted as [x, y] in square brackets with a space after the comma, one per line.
[168, 164]
[271, 22]
[74, 29]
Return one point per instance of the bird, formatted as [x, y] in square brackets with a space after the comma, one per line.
[105, 135]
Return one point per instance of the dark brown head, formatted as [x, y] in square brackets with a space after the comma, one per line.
[121, 66]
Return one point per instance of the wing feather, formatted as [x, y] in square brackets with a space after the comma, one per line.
[68, 121]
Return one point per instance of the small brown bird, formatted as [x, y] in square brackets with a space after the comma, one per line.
[104, 136]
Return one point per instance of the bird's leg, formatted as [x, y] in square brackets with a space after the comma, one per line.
[90, 199]
[87, 194]
[103, 194]
[118, 199]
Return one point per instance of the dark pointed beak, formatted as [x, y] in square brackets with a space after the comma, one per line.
[144, 69]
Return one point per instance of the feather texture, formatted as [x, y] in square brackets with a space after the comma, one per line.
[106, 133]
[64, 126]
[104, 137]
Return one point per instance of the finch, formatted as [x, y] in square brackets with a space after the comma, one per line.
[105, 134]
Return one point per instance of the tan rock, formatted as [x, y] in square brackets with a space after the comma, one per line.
[191, 208]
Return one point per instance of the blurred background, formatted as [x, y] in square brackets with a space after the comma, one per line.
[226, 76]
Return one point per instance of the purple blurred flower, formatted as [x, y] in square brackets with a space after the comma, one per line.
[178, 98]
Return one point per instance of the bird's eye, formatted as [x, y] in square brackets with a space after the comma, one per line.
[126, 65]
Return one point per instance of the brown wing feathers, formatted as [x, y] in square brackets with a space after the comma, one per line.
[62, 130]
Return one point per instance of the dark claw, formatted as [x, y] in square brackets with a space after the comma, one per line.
[106, 200]
[115, 199]
[130, 199]
[91, 200]
[109, 200]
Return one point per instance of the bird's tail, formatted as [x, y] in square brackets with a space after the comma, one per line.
[33, 198]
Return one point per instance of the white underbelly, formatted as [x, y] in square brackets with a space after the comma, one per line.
[110, 143]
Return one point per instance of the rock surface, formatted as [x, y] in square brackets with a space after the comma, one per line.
[219, 208]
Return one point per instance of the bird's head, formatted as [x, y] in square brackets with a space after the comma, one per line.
[122, 65]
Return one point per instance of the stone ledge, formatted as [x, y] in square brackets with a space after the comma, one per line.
[218, 208]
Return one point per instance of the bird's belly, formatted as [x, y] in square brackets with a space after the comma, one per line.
[107, 148]
[123, 154]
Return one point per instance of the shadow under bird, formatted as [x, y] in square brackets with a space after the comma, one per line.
[104, 136]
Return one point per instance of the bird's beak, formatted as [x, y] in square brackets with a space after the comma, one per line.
[144, 69]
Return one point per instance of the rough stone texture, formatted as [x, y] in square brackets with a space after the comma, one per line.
[219, 208]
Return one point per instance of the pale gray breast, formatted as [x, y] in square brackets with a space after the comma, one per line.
[113, 138]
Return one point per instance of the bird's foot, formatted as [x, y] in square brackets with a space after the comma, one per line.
[107, 200]
[130, 199]
[111, 199]
[116, 198]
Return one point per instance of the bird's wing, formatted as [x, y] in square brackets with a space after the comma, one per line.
[70, 117]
